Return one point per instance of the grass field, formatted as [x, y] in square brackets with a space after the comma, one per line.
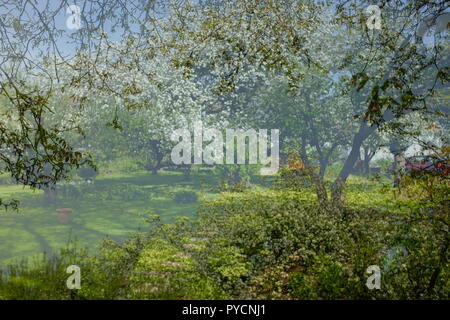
[35, 228]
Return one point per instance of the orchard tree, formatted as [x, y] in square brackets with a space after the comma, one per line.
[399, 75]
[315, 117]
[33, 150]
[145, 98]
[209, 50]
[387, 70]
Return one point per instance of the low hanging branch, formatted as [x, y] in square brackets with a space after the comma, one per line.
[35, 154]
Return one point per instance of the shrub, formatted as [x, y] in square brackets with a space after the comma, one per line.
[298, 250]
[166, 272]
[260, 244]
[431, 187]
[420, 267]
[42, 278]
[384, 163]
[293, 179]
[103, 276]
[235, 177]
[123, 164]
[279, 232]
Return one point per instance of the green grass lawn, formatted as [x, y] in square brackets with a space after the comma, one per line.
[35, 228]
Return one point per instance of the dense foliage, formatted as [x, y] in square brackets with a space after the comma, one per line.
[259, 244]
[93, 126]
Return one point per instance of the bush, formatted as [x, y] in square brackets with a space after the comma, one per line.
[293, 179]
[301, 251]
[431, 187]
[384, 163]
[166, 272]
[103, 276]
[260, 244]
[122, 164]
[332, 249]
[235, 177]
[420, 267]
[42, 278]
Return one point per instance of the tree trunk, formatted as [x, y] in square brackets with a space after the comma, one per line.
[366, 165]
[321, 192]
[50, 194]
[155, 164]
[368, 156]
[363, 132]
[398, 163]
[323, 167]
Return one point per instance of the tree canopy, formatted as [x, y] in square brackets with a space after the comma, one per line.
[326, 78]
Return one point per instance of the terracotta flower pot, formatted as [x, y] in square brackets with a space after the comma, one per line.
[64, 215]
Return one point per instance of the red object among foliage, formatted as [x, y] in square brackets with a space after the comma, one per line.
[427, 164]
[295, 162]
